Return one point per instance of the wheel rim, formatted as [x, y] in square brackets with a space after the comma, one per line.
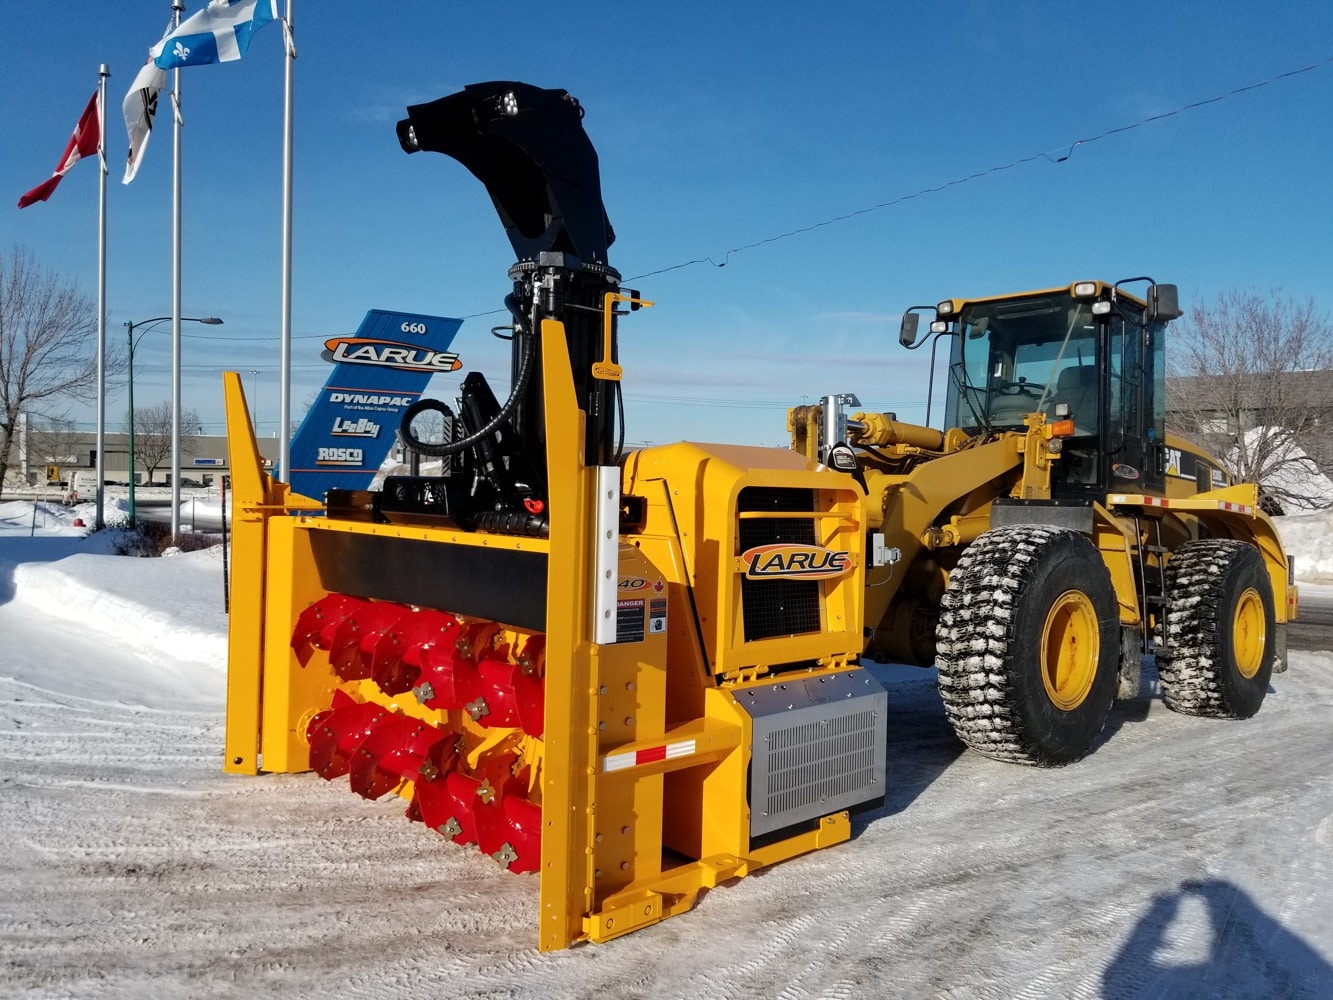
[1070, 649]
[1248, 634]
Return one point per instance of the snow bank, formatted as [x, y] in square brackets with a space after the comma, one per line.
[169, 609]
[1296, 478]
[1309, 538]
[122, 597]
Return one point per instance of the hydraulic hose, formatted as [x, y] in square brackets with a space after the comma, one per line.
[526, 365]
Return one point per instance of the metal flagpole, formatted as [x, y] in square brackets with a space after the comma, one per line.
[102, 74]
[176, 296]
[285, 357]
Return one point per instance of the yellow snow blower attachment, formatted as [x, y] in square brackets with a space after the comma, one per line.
[634, 674]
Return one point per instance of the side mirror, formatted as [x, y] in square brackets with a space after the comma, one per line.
[907, 332]
[1163, 302]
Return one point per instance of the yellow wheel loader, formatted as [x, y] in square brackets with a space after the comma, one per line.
[1054, 534]
[639, 674]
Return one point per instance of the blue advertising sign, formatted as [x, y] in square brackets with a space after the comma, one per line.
[378, 373]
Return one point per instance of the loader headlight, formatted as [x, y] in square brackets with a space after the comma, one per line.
[945, 308]
[1101, 308]
[939, 326]
[1085, 289]
[509, 104]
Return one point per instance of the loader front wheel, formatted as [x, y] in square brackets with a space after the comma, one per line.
[1027, 645]
[1219, 630]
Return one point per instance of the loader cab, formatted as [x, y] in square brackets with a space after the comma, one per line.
[1088, 353]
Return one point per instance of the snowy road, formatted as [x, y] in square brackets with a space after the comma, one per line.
[1313, 629]
[1183, 858]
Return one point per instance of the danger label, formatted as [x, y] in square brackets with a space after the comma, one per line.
[630, 620]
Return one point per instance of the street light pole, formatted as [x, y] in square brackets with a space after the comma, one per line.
[129, 335]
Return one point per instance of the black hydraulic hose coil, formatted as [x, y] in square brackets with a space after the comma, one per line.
[526, 364]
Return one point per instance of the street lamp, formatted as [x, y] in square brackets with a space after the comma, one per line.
[129, 334]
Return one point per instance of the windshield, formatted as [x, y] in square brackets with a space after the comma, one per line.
[1019, 356]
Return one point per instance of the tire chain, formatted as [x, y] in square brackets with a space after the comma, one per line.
[1187, 670]
[974, 634]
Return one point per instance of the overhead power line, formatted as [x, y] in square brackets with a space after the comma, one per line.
[1050, 157]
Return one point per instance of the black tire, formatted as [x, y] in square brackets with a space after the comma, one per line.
[1023, 602]
[1220, 631]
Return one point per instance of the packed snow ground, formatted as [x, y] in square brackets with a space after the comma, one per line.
[1183, 858]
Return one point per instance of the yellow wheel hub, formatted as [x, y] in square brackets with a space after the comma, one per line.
[1248, 633]
[1070, 649]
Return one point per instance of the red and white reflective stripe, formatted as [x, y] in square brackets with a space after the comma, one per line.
[1185, 504]
[668, 751]
[1120, 498]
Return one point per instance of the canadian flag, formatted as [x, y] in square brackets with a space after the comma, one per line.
[84, 142]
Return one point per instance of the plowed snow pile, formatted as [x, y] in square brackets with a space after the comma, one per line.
[1309, 538]
[1183, 858]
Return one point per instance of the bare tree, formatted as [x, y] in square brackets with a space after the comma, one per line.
[48, 343]
[1251, 380]
[152, 436]
[53, 440]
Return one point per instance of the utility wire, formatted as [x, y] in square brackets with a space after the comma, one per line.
[1055, 157]
[1051, 157]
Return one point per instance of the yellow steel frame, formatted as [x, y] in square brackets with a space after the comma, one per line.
[607, 826]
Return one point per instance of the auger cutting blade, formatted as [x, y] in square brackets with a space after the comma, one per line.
[396, 662]
[315, 625]
[354, 639]
[338, 732]
[447, 680]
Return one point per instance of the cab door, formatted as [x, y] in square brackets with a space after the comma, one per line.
[1132, 439]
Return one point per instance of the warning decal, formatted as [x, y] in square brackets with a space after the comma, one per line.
[629, 620]
[657, 615]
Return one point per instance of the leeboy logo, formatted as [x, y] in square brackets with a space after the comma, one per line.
[387, 354]
[794, 562]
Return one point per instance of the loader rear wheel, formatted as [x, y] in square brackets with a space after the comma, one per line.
[1220, 633]
[1027, 645]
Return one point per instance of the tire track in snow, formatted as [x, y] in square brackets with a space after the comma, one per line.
[977, 885]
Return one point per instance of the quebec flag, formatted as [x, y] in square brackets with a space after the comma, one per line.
[218, 33]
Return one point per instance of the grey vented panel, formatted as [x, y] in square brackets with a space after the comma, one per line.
[819, 747]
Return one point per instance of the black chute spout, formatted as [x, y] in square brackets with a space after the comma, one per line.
[527, 145]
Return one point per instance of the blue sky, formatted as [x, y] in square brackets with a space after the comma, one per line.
[718, 125]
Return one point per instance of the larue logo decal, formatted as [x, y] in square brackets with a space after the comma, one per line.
[388, 354]
[794, 562]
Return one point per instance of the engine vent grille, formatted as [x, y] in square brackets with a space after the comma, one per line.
[777, 607]
[818, 761]
[819, 748]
